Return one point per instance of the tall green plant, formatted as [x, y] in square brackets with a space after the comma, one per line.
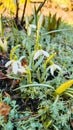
[52, 22]
[1, 26]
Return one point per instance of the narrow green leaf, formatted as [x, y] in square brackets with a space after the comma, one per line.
[38, 63]
[13, 51]
[1, 25]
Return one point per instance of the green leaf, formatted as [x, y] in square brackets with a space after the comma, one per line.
[13, 51]
[40, 22]
[1, 25]
[35, 16]
[38, 63]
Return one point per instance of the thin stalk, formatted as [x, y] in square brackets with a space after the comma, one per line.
[17, 10]
[55, 31]
[37, 40]
[70, 91]
[40, 6]
[68, 94]
[55, 127]
[34, 85]
[1, 26]
[29, 76]
[25, 3]
[56, 100]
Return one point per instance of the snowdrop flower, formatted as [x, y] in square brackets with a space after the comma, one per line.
[40, 52]
[53, 67]
[30, 28]
[16, 66]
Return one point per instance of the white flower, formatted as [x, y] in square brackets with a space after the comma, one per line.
[30, 28]
[16, 66]
[40, 52]
[53, 67]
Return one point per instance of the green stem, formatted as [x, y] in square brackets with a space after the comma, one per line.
[56, 100]
[55, 31]
[34, 85]
[1, 26]
[37, 40]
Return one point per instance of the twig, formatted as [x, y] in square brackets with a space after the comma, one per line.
[17, 10]
[40, 6]
[25, 3]
[25, 118]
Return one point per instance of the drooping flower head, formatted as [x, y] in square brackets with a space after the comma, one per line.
[39, 53]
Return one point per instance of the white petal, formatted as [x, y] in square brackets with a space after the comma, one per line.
[33, 26]
[19, 63]
[57, 67]
[29, 31]
[21, 69]
[45, 53]
[15, 67]
[37, 54]
[8, 63]
[52, 70]
[22, 57]
[40, 52]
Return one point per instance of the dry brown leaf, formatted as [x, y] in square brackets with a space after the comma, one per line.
[2, 75]
[7, 95]
[24, 62]
[4, 110]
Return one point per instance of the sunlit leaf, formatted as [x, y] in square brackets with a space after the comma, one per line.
[47, 123]
[1, 26]
[9, 4]
[64, 87]
[3, 45]
[13, 51]
[49, 59]
[40, 22]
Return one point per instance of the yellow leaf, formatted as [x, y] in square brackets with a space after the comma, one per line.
[9, 4]
[64, 87]
[3, 45]
[49, 59]
[13, 51]
[47, 123]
